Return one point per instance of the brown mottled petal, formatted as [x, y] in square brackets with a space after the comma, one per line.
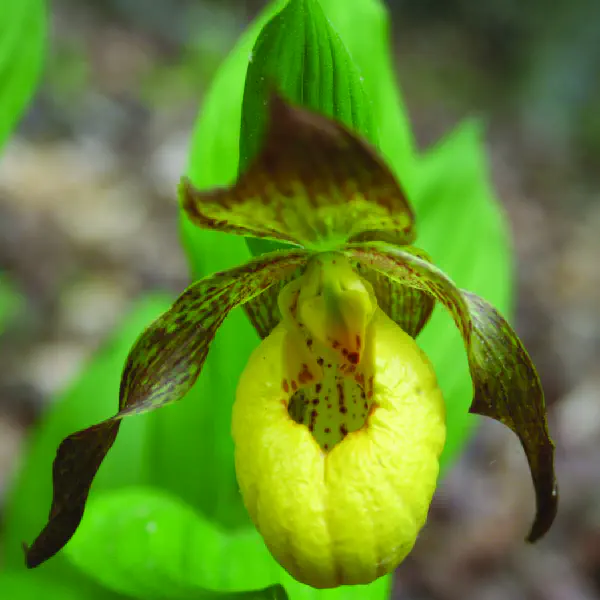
[162, 366]
[506, 385]
[408, 307]
[263, 310]
[313, 183]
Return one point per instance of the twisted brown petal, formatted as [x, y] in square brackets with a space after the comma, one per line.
[408, 307]
[506, 385]
[263, 310]
[162, 366]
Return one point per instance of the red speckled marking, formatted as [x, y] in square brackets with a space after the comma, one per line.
[305, 375]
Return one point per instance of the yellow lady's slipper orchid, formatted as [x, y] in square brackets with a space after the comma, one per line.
[337, 449]
[338, 422]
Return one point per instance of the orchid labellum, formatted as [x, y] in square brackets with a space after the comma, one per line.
[338, 422]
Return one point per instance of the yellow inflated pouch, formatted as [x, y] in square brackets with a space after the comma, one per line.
[337, 464]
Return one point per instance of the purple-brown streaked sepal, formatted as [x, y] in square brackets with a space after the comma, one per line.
[313, 183]
[410, 308]
[263, 310]
[161, 368]
[505, 382]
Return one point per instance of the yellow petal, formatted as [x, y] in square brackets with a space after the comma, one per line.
[351, 514]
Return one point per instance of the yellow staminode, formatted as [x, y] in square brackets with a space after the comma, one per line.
[337, 464]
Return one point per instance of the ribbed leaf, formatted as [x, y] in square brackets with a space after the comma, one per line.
[300, 54]
[365, 31]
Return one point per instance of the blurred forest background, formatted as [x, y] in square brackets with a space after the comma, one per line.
[88, 222]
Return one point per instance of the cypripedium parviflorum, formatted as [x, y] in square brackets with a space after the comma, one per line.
[338, 422]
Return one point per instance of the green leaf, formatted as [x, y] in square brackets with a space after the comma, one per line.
[61, 581]
[92, 397]
[22, 44]
[300, 54]
[19, 586]
[152, 545]
[463, 228]
[365, 31]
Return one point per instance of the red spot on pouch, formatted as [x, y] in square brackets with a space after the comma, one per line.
[305, 375]
[354, 357]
